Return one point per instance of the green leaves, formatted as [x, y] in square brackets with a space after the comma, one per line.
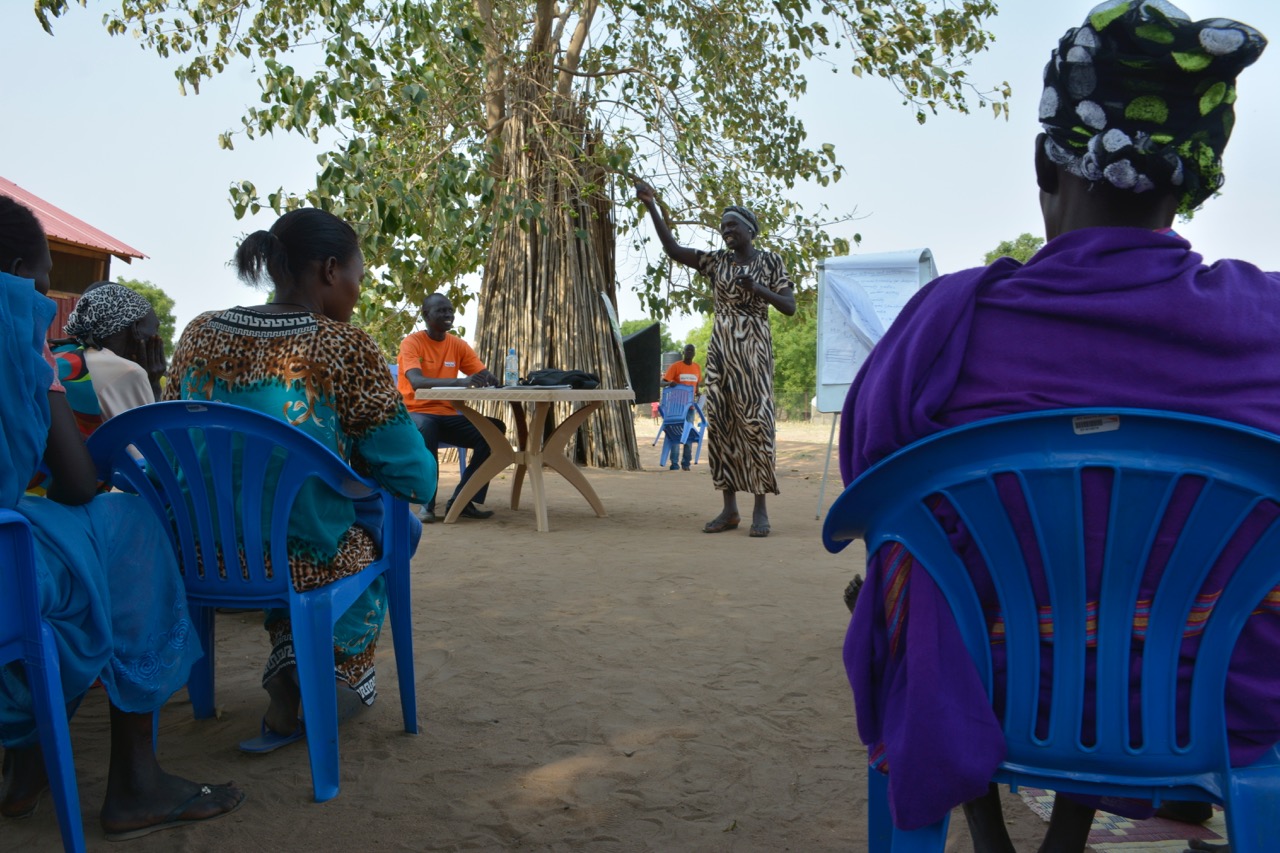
[408, 98]
[1020, 249]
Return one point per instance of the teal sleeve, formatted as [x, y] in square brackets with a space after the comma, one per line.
[384, 441]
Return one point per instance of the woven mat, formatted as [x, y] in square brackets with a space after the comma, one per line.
[1115, 834]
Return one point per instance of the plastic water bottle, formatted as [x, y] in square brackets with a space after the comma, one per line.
[511, 371]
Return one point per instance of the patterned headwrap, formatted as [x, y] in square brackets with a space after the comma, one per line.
[746, 217]
[102, 312]
[1141, 97]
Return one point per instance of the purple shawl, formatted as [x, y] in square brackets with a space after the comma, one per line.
[1100, 316]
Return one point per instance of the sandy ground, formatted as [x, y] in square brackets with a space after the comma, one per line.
[619, 684]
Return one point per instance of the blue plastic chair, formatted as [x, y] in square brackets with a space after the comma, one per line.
[24, 636]
[462, 451]
[215, 444]
[1148, 453]
[677, 402]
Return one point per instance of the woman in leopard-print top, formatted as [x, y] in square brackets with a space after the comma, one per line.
[299, 359]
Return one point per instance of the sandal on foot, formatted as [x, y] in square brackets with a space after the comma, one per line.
[720, 525]
[759, 531]
[174, 818]
[269, 740]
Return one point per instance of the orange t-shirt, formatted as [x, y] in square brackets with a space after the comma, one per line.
[686, 374]
[436, 360]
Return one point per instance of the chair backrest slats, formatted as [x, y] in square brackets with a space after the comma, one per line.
[676, 401]
[256, 456]
[1181, 489]
[221, 473]
[1139, 500]
[977, 504]
[1053, 498]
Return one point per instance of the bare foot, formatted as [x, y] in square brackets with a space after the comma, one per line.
[166, 802]
[25, 780]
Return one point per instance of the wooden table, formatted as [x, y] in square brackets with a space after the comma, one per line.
[533, 450]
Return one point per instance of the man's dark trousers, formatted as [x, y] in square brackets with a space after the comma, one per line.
[460, 432]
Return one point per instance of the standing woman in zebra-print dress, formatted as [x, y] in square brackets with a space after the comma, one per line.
[745, 282]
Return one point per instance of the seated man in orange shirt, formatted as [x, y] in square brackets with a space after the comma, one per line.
[684, 372]
[436, 359]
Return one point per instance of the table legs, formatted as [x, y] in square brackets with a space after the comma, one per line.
[531, 456]
[500, 456]
[554, 458]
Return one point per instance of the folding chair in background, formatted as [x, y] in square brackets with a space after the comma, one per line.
[677, 427]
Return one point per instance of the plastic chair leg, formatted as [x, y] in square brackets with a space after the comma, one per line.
[1252, 810]
[400, 609]
[200, 685]
[883, 837]
[45, 679]
[312, 621]
[879, 824]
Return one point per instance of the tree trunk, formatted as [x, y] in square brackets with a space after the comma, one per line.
[547, 277]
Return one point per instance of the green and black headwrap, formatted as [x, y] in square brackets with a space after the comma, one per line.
[1141, 97]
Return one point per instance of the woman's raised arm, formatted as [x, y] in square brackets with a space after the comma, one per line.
[679, 254]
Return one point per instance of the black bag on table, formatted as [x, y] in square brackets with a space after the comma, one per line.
[579, 380]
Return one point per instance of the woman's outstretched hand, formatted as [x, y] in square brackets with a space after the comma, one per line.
[644, 192]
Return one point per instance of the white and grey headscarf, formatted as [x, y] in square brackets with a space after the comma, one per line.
[102, 312]
[743, 215]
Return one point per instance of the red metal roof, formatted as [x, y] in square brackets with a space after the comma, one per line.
[61, 225]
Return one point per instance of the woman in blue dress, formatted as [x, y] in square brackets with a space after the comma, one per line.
[108, 581]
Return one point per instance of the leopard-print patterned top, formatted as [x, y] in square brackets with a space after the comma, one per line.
[328, 379]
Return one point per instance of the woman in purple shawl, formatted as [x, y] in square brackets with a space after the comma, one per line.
[1116, 309]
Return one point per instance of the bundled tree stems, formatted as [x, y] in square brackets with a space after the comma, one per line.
[549, 272]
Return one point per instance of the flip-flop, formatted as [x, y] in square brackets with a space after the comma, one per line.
[174, 818]
[269, 740]
[759, 531]
[720, 525]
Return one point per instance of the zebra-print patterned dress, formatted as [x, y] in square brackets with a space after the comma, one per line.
[740, 374]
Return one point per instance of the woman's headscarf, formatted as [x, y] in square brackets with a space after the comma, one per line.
[1141, 97]
[743, 215]
[103, 311]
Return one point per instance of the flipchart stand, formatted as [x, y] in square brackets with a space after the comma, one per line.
[859, 296]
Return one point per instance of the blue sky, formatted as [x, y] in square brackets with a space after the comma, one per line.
[97, 126]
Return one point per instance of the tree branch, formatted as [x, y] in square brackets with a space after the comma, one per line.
[573, 56]
[495, 102]
[542, 17]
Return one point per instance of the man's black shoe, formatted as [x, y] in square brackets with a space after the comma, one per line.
[470, 511]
